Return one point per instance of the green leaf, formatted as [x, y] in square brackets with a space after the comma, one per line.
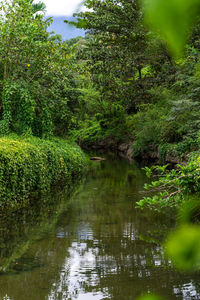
[150, 297]
[183, 247]
[173, 19]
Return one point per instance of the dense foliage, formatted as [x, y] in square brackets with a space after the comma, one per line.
[119, 84]
[144, 60]
[143, 93]
[31, 166]
[171, 185]
[39, 82]
[123, 82]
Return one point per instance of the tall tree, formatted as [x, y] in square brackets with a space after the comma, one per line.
[35, 75]
[119, 50]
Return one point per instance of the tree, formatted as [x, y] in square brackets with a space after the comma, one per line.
[120, 51]
[37, 81]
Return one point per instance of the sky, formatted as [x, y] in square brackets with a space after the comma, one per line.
[61, 7]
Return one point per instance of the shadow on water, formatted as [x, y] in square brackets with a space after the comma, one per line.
[93, 244]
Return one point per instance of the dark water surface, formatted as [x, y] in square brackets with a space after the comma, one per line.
[92, 246]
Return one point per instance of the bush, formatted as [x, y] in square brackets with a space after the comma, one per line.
[150, 123]
[103, 126]
[29, 166]
[90, 132]
[171, 187]
[177, 150]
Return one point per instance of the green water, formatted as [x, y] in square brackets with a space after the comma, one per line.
[93, 245]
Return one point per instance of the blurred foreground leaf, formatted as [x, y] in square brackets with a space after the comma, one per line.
[173, 19]
[183, 247]
[150, 297]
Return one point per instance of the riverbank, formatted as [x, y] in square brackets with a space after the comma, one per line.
[31, 166]
[161, 155]
[175, 168]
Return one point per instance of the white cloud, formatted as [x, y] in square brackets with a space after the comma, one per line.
[61, 7]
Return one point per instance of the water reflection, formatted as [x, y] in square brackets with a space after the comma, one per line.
[95, 245]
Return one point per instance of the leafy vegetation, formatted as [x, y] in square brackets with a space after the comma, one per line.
[135, 77]
[172, 185]
[39, 94]
[182, 246]
[40, 88]
[121, 83]
[135, 73]
[154, 77]
[30, 166]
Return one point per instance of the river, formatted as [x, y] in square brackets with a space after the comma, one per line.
[91, 245]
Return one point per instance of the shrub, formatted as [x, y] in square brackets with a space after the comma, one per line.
[90, 132]
[150, 121]
[177, 150]
[171, 187]
[29, 166]
[104, 126]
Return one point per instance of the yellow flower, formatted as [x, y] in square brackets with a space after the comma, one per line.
[28, 65]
